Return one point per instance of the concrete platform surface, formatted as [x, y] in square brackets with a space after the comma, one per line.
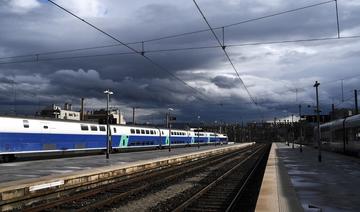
[39, 168]
[277, 193]
[332, 185]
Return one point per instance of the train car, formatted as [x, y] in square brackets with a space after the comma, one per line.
[342, 135]
[30, 135]
[201, 137]
[223, 139]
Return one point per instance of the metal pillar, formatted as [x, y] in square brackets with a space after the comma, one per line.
[316, 85]
[169, 131]
[108, 93]
[82, 110]
[356, 102]
[108, 129]
[198, 132]
[133, 118]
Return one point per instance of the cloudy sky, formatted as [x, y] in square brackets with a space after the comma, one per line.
[278, 76]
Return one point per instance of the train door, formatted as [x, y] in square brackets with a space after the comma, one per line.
[159, 138]
[45, 137]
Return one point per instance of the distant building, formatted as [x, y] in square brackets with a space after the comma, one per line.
[341, 113]
[115, 116]
[57, 112]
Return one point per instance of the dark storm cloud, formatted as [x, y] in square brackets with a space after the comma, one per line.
[225, 82]
[32, 26]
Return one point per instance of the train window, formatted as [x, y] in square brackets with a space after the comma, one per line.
[162, 132]
[84, 127]
[147, 132]
[26, 123]
[46, 127]
[93, 128]
[102, 128]
[114, 130]
[152, 132]
[142, 131]
[132, 131]
[137, 131]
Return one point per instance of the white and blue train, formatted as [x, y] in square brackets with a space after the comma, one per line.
[30, 135]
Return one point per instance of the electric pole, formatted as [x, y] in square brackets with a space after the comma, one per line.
[169, 122]
[198, 132]
[133, 118]
[316, 85]
[108, 135]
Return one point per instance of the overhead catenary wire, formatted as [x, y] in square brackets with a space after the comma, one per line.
[174, 35]
[228, 57]
[162, 68]
[39, 59]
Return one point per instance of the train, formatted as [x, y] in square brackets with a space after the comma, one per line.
[19, 136]
[341, 135]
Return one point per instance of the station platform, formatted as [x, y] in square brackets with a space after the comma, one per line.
[39, 168]
[20, 180]
[296, 181]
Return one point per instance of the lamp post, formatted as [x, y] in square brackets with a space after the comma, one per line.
[108, 93]
[198, 132]
[169, 122]
[316, 85]
[215, 123]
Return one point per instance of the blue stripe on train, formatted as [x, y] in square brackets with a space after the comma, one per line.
[10, 142]
[156, 140]
[17, 142]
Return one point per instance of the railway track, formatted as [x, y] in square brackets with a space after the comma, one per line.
[112, 195]
[225, 192]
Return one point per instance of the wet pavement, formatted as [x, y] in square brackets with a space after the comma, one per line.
[332, 185]
[40, 168]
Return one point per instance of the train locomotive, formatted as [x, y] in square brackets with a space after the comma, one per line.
[30, 135]
[342, 135]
